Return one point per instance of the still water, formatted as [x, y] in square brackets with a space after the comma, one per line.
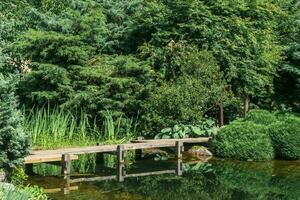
[208, 180]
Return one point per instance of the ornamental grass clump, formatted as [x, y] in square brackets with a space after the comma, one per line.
[243, 141]
[285, 137]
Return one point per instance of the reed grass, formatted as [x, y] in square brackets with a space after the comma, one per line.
[57, 128]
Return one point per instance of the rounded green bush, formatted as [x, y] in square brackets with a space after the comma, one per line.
[262, 117]
[285, 137]
[243, 141]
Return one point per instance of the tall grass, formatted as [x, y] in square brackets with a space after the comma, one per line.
[55, 128]
[119, 130]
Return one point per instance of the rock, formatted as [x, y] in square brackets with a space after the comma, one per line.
[7, 186]
[2, 176]
[199, 151]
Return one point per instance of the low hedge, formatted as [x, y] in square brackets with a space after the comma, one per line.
[243, 140]
[262, 117]
[285, 137]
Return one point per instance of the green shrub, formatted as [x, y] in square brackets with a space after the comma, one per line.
[10, 192]
[205, 128]
[285, 137]
[243, 141]
[262, 117]
[14, 143]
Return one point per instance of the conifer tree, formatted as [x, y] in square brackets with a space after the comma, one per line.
[14, 143]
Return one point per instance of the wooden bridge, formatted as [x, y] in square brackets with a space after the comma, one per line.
[66, 155]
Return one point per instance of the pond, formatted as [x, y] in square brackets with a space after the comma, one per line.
[161, 179]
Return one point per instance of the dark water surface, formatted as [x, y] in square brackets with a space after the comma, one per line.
[212, 180]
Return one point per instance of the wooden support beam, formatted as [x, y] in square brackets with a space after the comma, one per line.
[66, 164]
[172, 141]
[179, 149]
[139, 152]
[67, 184]
[120, 154]
[121, 172]
[179, 168]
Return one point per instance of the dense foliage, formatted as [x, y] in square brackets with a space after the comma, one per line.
[159, 62]
[279, 131]
[262, 117]
[14, 143]
[243, 141]
[286, 138]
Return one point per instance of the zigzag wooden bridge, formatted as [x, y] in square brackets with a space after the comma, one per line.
[66, 155]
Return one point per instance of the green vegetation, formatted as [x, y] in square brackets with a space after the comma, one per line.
[205, 128]
[16, 189]
[57, 128]
[262, 117]
[243, 141]
[106, 71]
[260, 132]
[162, 62]
[14, 143]
[285, 136]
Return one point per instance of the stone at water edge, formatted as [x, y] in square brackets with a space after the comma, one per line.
[199, 151]
[2, 176]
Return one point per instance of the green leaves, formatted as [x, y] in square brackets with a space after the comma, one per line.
[285, 136]
[205, 128]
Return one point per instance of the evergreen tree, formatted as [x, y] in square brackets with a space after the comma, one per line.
[14, 144]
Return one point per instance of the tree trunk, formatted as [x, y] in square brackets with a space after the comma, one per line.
[221, 115]
[246, 101]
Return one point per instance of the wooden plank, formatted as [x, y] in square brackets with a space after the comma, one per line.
[32, 159]
[78, 150]
[104, 178]
[135, 146]
[184, 140]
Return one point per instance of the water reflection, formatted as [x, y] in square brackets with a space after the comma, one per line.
[213, 180]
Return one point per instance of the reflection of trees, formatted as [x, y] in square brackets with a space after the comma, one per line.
[250, 180]
[217, 180]
[196, 183]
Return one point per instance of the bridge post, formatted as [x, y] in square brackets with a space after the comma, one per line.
[139, 152]
[179, 167]
[67, 184]
[120, 154]
[121, 172]
[66, 164]
[179, 149]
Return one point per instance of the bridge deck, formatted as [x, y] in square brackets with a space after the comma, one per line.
[56, 155]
